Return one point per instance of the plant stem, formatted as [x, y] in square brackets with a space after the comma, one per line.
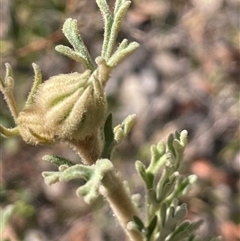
[89, 149]
[115, 193]
[111, 188]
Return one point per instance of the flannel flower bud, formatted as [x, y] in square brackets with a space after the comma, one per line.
[66, 107]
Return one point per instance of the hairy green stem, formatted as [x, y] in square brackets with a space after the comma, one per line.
[111, 188]
[115, 193]
[88, 149]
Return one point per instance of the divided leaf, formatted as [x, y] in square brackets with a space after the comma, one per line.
[92, 174]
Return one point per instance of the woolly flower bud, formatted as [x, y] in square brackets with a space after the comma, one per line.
[66, 107]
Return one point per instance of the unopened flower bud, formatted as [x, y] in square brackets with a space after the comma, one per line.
[66, 107]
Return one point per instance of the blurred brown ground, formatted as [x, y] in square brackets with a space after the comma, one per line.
[184, 75]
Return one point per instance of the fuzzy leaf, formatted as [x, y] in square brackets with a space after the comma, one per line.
[183, 137]
[71, 32]
[112, 24]
[121, 53]
[92, 174]
[70, 53]
[181, 187]
[58, 160]
[181, 212]
[158, 158]
[122, 130]
[147, 177]
[181, 228]
[174, 217]
[170, 144]
[165, 188]
[175, 147]
[51, 177]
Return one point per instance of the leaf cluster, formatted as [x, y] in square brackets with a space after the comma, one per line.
[165, 215]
